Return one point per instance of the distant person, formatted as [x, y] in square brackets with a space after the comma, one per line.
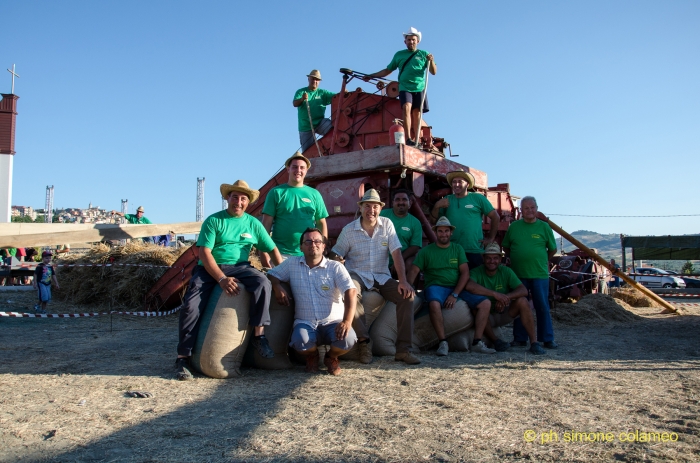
[446, 273]
[137, 219]
[530, 244]
[44, 276]
[407, 226]
[508, 298]
[291, 208]
[411, 64]
[7, 253]
[317, 99]
[466, 211]
[324, 302]
[63, 249]
[615, 280]
[224, 245]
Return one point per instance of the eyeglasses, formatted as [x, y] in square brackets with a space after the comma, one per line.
[315, 242]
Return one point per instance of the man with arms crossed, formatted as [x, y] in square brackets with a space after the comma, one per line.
[292, 208]
[530, 243]
[366, 244]
[408, 228]
[224, 246]
[319, 287]
[465, 210]
[508, 297]
[446, 274]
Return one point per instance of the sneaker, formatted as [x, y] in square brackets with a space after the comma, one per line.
[536, 349]
[551, 345]
[518, 344]
[365, 349]
[37, 309]
[333, 365]
[410, 142]
[500, 345]
[481, 348]
[312, 363]
[407, 357]
[263, 347]
[443, 349]
[182, 365]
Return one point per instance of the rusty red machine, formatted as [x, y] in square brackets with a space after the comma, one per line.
[359, 154]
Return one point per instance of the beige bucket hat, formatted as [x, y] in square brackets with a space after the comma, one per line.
[443, 222]
[316, 74]
[461, 174]
[240, 186]
[140, 209]
[493, 248]
[371, 196]
[298, 155]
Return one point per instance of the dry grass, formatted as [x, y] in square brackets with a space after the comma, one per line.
[115, 286]
[633, 297]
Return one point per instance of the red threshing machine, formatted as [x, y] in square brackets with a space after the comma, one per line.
[356, 155]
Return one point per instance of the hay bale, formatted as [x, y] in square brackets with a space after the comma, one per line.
[114, 286]
[278, 334]
[223, 335]
[373, 303]
[457, 319]
[633, 297]
[593, 309]
[460, 342]
[384, 330]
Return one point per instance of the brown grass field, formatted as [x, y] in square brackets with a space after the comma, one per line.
[63, 385]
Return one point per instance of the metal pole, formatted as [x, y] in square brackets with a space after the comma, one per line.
[313, 130]
[337, 112]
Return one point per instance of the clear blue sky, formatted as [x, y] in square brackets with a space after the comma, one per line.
[593, 107]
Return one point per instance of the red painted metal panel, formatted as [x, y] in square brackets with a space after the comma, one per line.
[167, 292]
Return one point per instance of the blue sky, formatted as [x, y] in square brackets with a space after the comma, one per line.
[592, 107]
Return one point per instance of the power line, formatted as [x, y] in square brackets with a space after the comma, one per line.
[626, 216]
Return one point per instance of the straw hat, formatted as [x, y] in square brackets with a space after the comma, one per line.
[414, 31]
[493, 248]
[461, 174]
[240, 186]
[298, 155]
[443, 222]
[371, 196]
[140, 209]
[316, 74]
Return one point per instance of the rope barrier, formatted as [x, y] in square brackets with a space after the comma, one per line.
[87, 314]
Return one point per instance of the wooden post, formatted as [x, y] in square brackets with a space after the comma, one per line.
[669, 308]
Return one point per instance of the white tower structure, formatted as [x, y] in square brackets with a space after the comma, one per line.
[125, 206]
[8, 117]
[48, 206]
[200, 200]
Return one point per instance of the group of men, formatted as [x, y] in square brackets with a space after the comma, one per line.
[379, 251]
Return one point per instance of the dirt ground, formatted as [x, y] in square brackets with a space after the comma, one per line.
[63, 385]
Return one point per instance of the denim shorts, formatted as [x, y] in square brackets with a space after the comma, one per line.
[441, 293]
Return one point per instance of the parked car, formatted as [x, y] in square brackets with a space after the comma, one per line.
[690, 282]
[657, 278]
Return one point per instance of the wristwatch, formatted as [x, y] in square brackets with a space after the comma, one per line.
[455, 295]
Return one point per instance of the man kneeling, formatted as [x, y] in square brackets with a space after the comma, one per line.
[506, 291]
[446, 272]
[324, 300]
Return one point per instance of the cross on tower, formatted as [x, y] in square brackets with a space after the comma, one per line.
[14, 74]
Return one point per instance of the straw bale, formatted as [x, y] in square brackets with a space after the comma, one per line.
[116, 286]
[633, 297]
[593, 309]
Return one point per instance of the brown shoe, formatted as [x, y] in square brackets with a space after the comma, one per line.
[407, 357]
[333, 365]
[365, 349]
[312, 363]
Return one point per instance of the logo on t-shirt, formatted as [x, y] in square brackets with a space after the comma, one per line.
[325, 287]
[246, 235]
[469, 206]
[384, 243]
[453, 261]
[536, 236]
[405, 228]
[306, 200]
[498, 288]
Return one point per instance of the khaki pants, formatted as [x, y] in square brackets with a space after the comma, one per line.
[404, 312]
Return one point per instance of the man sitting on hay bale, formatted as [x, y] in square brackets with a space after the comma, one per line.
[224, 244]
[324, 302]
[508, 296]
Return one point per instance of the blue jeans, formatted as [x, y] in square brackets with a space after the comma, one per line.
[304, 337]
[441, 293]
[539, 292]
[307, 138]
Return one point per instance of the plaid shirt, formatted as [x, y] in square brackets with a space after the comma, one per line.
[318, 292]
[368, 256]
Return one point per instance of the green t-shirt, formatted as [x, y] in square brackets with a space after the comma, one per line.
[318, 100]
[528, 244]
[294, 209]
[230, 238]
[466, 214]
[131, 218]
[440, 266]
[408, 228]
[504, 281]
[412, 79]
